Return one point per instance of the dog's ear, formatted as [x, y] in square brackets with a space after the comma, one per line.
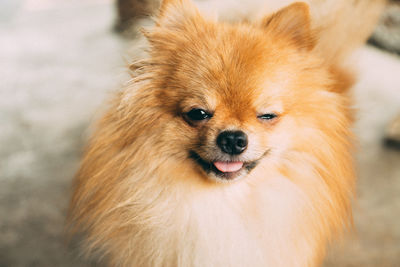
[173, 13]
[293, 22]
[174, 19]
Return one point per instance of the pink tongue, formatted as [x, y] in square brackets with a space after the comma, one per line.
[228, 166]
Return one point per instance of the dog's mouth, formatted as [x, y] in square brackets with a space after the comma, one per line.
[224, 170]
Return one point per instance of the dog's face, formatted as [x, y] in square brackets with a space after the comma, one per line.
[231, 129]
[235, 92]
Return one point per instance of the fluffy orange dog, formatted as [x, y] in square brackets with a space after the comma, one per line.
[231, 145]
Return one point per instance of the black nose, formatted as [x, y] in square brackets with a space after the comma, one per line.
[232, 142]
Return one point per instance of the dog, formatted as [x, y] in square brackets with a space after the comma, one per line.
[232, 144]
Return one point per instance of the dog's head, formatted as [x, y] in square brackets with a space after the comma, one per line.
[237, 94]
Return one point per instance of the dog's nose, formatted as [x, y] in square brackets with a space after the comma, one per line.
[232, 142]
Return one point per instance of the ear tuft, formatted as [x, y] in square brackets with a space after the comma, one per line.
[174, 12]
[165, 4]
[294, 22]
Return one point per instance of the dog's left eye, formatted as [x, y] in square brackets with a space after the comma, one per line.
[197, 114]
[267, 116]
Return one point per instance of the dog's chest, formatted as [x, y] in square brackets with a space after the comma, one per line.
[242, 225]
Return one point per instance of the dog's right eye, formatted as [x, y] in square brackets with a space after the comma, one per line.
[197, 114]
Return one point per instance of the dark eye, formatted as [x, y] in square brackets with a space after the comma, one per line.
[268, 116]
[197, 114]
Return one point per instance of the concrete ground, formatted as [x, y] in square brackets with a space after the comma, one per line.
[59, 60]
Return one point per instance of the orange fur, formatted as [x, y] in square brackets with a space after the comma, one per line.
[142, 200]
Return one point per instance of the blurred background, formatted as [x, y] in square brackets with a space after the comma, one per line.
[61, 59]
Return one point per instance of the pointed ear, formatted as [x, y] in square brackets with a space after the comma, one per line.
[294, 22]
[172, 13]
